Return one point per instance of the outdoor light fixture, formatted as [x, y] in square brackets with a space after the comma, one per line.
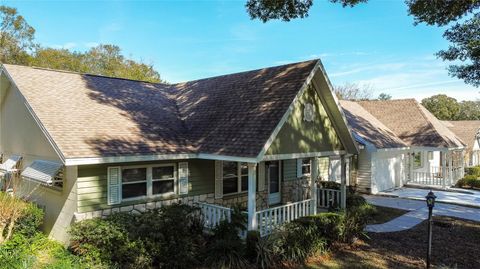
[430, 200]
[430, 203]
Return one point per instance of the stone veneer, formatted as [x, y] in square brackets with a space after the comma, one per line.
[262, 203]
[296, 190]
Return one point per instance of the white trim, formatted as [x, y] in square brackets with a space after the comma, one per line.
[394, 149]
[285, 116]
[36, 119]
[302, 155]
[160, 157]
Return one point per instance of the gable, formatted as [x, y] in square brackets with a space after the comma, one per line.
[20, 134]
[301, 136]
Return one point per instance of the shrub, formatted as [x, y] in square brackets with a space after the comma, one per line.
[251, 242]
[473, 171]
[328, 225]
[354, 200]
[172, 235]
[354, 221]
[11, 209]
[29, 223]
[105, 241]
[225, 249]
[470, 181]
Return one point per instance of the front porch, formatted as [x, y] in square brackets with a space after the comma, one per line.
[441, 168]
[281, 201]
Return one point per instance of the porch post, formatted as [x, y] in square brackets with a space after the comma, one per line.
[343, 186]
[450, 168]
[252, 199]
[313, 184]
[410, 165]
[444, 168]
[462, 171]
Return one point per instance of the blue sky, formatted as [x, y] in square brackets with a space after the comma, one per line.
[374, 44]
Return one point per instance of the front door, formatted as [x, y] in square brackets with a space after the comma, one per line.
[273, 176]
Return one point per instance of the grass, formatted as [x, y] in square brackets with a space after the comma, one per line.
[385, 214]
[455, 245]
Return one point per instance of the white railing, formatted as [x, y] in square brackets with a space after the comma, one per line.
[214, 214]
[328, 198]
[424, 178]
[269, 219]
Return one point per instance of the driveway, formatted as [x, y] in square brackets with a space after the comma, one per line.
[418, 212]
[452, 196]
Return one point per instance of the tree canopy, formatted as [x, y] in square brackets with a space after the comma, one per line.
[447, 108]
[17, 46]
[464, 34]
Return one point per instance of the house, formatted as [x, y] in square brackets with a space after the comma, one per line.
[84, 146]
[402, 143]
[381, 162]
[469, 132]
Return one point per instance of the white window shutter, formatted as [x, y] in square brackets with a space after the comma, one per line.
[218, 179]
[299, 168]
[261, 176]
[114, 185]
[183, 177]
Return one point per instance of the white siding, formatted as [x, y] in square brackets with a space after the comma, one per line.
[364, 173]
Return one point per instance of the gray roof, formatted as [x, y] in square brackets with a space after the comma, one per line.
[368, 128]
[95, 116]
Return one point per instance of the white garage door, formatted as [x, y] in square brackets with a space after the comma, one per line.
[388, 172]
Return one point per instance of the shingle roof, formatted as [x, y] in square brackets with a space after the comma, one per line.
[95, 116]
[368, 128]
[412, 123]
[467, 130]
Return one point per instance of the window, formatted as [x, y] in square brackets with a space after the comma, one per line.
[235, 177]
[417, 160]
[134, 182]
[148, 181]
[430, 155]
[163, 179]
[306, 167]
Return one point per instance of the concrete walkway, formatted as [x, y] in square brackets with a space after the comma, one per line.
[452, 196]
[418, 213]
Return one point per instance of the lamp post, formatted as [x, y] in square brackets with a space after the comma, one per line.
[430, 203]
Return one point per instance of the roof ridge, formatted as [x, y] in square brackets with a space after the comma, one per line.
[246, 71]
[428, 121]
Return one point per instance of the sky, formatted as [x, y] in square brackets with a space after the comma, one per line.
[375, 45]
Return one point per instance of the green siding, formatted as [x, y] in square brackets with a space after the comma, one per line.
[323, 164]
[299, 136]
[92, 183]
[289, 169]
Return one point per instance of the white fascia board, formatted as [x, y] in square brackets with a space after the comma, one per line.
[145, 158]
[35, 118]
[302, 155]
[288, 112]
[394, 149]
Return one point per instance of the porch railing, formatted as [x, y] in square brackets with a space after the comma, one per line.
[328, 198]
[269, 219]
[426, 178]
[214, 214]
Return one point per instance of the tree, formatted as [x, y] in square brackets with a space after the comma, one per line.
[442, 106]
[286, 10]
[352, 91]
[464, 35]
[16, 37]
[17, 46]
[384, 96]
[469, 110]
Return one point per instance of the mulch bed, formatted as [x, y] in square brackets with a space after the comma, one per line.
[456, 244]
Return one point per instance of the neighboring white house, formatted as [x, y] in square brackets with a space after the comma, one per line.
[382, 162]
[403, 143]
[469, 132]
